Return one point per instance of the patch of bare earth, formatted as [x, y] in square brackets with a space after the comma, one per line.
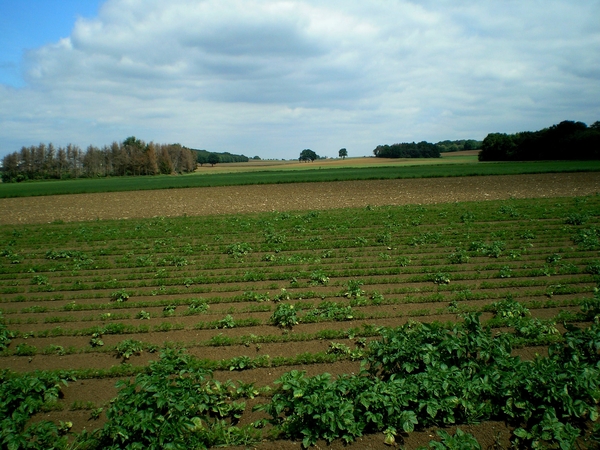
[292, 197]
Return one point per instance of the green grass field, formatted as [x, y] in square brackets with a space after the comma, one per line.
[291, 173]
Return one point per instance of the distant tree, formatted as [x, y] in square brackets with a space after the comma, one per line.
[343, 153]
[308, 155]
[256, 158]
[202, 159]
[213, 159]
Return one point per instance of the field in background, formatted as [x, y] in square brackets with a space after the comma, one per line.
[469, 156]
[277, 172]
[254, 296]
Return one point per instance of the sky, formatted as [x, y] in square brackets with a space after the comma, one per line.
[271, 78]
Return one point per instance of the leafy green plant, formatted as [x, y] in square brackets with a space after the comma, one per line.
[25, 350]
[20, 398]
[169, 310]
[198, 409]
[576, 218]
[143, 315]
[441, 278]
[96, 340]
[40, 280]
[337, 348]
[283, 295]
[129, 347]
[593, 268]
[354, 288]
[459, 256]
[239, 250]
[460, 441]
[226, 322]
[403, 261]
[120, 296]
[329, 311]
[197, 306]
[505, 272]
[256, 297]
[284, 316]
[5, 336]
[240, 363]
[553, 258]
[318, 277]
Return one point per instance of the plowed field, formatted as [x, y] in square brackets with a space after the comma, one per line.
[99, 284]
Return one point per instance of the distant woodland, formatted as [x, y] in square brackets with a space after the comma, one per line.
[424, 149]
[132, 157]
[567, 140]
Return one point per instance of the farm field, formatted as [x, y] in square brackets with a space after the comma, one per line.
[261, 296]
[285, 172]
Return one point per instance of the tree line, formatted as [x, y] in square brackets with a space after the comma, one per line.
[567, 140]
[407, 150]
[130, 157]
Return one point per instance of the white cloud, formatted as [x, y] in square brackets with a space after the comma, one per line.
[273, 77]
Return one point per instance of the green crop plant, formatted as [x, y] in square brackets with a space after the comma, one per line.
[197, 306]
[328, 311]
[337, 348]
[460, 441]
[403, 261]
[255, 296]
[143, 315]
[120, 296]
[226, 322]
[20, 398]
[96, 340]
[199, 409]
[39, 280]
[5, 336]
[441, 278]
[283, 295]
[169, 310]
[284, 316]
[576, 218]
[239, 250]
[354, 289]
[593, 268]
[459, 256]
[25, 350]
[587, 239]
[128, 348]
[505, 272]
[318, 277]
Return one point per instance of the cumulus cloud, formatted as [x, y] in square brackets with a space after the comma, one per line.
[272, 77]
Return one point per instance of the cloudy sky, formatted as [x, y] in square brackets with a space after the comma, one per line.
[270, 78]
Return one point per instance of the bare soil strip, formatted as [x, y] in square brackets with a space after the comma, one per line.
[292, 197]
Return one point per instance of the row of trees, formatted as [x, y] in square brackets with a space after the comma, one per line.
[131, 157]
[408, 150]
[205, 157]
[459, 145]
[567, 140]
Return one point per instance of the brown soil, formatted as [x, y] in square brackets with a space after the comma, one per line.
[291, 197]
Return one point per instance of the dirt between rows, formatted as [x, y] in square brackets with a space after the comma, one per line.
[292, 197]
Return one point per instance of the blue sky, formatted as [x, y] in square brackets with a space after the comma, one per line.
[28, 24]
[270, 78]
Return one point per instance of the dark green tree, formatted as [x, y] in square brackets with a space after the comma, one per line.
[343, 153]
[213, 159]
[308, 155]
